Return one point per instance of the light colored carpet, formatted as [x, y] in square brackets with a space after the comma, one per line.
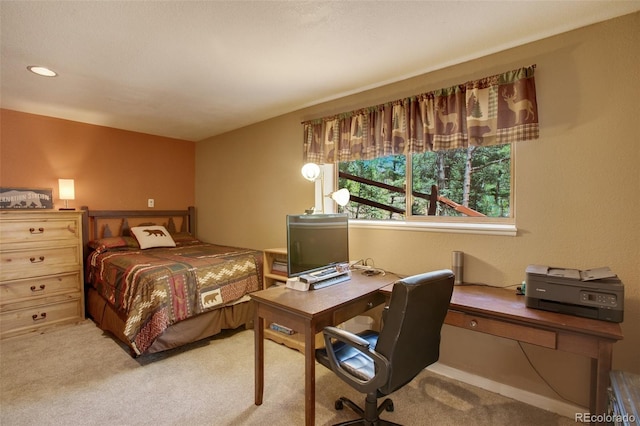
[79, 376]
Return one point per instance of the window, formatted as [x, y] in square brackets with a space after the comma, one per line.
[473, 183]
[438, 160]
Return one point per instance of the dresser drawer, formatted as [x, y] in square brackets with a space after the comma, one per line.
[33, 288]
[35, 230]
[16, 264]
[57, 311]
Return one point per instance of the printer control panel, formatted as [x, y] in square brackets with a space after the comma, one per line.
[595, 298]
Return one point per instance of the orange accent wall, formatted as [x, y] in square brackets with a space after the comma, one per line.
[112, 168]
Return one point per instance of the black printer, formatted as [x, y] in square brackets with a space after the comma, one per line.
[594, 293]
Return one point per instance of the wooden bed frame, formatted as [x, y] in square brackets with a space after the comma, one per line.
[97, 224]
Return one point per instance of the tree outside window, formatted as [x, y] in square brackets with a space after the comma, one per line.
[469, 182]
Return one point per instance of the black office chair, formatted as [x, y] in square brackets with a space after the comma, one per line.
[381, 363]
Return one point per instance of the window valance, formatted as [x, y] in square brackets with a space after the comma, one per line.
[491, 111]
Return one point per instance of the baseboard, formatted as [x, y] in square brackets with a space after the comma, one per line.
[549, 404]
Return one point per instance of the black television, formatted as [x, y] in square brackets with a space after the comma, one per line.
[316, 242]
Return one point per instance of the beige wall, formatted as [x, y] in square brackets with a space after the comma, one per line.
[112, 169]
[577, 187]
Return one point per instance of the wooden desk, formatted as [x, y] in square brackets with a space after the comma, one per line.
[308, 313]
[500, 312]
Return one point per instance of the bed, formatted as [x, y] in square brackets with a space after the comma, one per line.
[154, 286]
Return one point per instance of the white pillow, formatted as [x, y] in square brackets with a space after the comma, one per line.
[152, 236]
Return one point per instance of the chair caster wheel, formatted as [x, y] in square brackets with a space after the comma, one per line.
[389, 407]
[339, 405]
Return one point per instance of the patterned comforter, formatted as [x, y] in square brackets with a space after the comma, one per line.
[155, 288]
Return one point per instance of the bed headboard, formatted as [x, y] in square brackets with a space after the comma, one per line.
[98, 223]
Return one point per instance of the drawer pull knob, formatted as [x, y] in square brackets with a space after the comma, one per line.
[369, 305]
[474, 323]
[38, 260]
[41, 288]
[36, 231]
[40, 317]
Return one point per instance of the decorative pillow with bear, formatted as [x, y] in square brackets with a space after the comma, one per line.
[152, 236]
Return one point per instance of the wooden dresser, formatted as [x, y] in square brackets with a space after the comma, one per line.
[41, 270]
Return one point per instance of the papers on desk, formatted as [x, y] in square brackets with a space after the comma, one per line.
[575, 274]
[296, 284]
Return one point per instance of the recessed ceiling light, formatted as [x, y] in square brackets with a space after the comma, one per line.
[43, 71]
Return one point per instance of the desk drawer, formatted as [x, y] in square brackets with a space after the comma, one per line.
[358, 307]
[500, 328]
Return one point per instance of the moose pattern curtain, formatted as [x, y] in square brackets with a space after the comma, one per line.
[491, 111]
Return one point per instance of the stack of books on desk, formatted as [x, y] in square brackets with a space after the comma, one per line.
[279, 267]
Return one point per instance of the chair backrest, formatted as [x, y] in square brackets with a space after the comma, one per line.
[410, 336]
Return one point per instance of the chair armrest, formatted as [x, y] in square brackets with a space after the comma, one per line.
[382, 366]
[346, 337]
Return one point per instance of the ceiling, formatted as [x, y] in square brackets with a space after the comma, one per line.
[195, 69]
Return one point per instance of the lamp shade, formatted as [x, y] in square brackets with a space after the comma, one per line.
[311, 171]
[66, 189]
[341, 196]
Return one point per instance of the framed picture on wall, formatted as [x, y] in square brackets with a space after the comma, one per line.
[26, 198]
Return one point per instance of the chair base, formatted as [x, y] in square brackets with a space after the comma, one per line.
[370, 416]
